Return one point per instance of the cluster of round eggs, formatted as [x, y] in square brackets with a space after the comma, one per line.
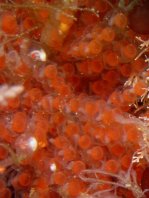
[73, 99]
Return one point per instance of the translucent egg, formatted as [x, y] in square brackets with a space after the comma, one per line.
[38, 55]
[32, 52]
[26, 145]
[53, 167]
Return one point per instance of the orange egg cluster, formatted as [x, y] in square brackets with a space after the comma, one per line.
[73, 100]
